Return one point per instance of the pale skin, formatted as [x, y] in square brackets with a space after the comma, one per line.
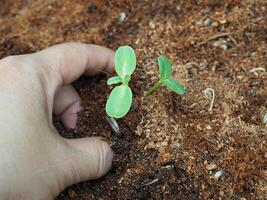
[35, 161]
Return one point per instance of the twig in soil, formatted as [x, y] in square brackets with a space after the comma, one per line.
[257, 69]
[193, 105]
[233, 39]
[41, 5]
[209, 92]
[142, 118]
[167, 167]
[113, 124]
[154, 181]
[229, 34]
[201, 66]
[216, 37]
[110, 4]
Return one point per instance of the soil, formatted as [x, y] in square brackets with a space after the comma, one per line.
[170, 147]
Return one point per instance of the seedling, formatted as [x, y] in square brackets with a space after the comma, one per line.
[120, 99]
[165, 69]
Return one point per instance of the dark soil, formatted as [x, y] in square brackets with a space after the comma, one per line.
[170, 147]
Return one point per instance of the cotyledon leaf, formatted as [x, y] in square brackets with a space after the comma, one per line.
[165, 67]
[175, 86]
[119, 101]
[114, 80]
[125, 61]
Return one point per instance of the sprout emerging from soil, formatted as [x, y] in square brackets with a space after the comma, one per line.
[120, 100]
[165, 69]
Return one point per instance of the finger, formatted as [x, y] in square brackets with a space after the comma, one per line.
[85, 159]
[67, 104]
[66, 62]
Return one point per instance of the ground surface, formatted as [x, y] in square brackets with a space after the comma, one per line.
[170, 147]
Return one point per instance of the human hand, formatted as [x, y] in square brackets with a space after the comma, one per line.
[35, 161]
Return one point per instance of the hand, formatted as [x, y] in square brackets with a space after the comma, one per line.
[35, 161]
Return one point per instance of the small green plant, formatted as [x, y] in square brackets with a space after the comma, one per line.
[165, 69]
[120, 99]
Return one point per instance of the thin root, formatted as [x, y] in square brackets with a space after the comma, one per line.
[200, 66]
[257, 69]
[233, 39]
[154, 181]
[209, 92]
[216, 37]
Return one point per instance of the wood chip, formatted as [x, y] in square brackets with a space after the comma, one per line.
[211, 166]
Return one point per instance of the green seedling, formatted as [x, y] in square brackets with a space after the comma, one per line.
[120, 99]
[165, 69]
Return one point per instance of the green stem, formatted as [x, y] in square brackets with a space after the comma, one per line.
[153, 88]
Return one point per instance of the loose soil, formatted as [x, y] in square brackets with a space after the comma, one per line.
[170, 147]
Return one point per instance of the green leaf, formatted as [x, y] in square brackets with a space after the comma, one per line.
[113, 80]
[119, 101]
[175, 86]
[125, 61]
[165, 67]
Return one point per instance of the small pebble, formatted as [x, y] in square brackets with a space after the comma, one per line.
[211, 166]
[253, 93]
[151, 145]
[221, 43]
[178, 145]
[209, 127]
[152, 25]
[215, 24]
[207, 22]
[200, 22]
[122, 16]
[224, 21]
[253, 54]
[164, 144]
[218, 174]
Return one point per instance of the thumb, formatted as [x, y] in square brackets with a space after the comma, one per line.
[84, 159]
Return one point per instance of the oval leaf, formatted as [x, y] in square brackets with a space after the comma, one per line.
[125, 61]
[165, 67]
[119, 101]
[113, 80]
[175, 86]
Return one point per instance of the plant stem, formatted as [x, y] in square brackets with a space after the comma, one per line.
[153, 88]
